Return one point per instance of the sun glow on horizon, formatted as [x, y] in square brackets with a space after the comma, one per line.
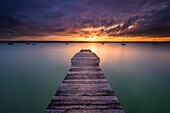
[92, 37]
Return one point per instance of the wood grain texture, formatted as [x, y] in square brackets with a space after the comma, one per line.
[85, 89]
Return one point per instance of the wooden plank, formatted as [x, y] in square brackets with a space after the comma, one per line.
[85, 89]
[85, 111]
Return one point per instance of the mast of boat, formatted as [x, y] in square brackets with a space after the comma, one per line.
[123, 43]
[154, 40]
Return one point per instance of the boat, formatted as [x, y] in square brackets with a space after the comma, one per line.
[10, 43]
[155, 42]
[66, 43]
[123, 43]
[33, 44]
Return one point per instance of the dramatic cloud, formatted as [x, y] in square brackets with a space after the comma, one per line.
[83, 18]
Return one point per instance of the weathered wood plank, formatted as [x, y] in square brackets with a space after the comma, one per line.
[85, 93]
[85, 89]
[85, 111]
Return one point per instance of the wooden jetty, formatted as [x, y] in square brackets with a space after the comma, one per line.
[85, 89]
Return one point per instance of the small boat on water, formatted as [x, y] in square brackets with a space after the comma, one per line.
[33, 44]
[28, 43]
[155, 43]
[66, 43]
[123, 43]
[10, 43]
[103, 43]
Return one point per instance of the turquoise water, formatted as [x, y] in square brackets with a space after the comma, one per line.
[139, 74]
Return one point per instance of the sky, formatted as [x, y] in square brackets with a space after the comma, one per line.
[85, 20]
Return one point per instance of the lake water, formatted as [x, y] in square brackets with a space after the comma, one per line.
[139, 74]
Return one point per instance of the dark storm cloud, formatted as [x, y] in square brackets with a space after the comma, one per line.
[19, 18]
[153, 23]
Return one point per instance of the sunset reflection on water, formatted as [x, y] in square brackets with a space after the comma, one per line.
[137, 72]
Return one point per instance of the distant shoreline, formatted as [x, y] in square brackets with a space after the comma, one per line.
[82, 41]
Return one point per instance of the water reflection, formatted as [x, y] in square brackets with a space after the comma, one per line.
[138, 73]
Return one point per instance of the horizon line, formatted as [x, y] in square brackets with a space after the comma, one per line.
[85, 41]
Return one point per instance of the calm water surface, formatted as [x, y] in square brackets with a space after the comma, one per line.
[31, 74]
